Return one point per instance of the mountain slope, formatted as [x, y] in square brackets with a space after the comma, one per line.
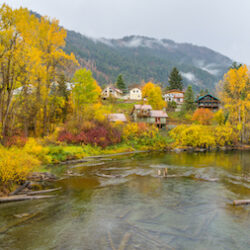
[141, 58]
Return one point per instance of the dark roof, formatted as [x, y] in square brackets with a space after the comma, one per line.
[201, 97]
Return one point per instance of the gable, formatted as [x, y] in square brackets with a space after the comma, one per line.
[207, 97]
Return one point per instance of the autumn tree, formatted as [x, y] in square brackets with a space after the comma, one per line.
[175, 80]
[86, 91]
[153, 95]
[203, 116]
[14, 43]
[31, 56]
[234, 92]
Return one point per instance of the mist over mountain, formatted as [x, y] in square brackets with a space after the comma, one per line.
[141, 58]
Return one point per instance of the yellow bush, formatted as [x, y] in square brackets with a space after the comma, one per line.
[130, 130]
[15, 165]
[224, 135]
[193, 135]
[203, 136]
[32, 147]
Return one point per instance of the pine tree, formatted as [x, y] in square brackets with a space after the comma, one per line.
[175, 80]
[203, 92]
[189, 104]
[120, 83]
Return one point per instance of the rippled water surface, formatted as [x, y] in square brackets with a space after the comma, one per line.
[124, 204]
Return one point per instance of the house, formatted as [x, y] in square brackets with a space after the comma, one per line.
[111, 91]
[140, 112]
[135, 93]
[145, 113]
[117, 117]
[208, 101]
[159, 118]
[176, 96]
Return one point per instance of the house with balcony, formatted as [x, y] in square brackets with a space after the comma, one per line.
[208, 101]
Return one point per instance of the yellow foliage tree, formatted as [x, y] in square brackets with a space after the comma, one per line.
[235, 95]
[31, 57]
[153, 95]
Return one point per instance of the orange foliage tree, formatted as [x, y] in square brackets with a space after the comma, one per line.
[203, 116]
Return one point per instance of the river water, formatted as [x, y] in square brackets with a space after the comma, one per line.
[124, 204]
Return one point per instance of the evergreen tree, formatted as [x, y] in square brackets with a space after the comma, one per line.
[64, 92]
[120, 83]
[203, 92]
[175, 80]
[235, 65]
[189, 104]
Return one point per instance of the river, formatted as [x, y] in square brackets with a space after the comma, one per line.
[124, 204]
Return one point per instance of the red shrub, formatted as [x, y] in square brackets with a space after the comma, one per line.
[16, 140]
[101, 134]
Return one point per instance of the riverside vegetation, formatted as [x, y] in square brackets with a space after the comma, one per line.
[65, 121]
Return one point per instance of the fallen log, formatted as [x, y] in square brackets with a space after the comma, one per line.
[43, 191]
[241, 202]
[124, 241]
[23, 198]
[88, 165]
[111, 241]
[18, 190]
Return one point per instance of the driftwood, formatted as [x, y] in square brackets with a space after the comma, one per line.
[23, 198]
[109, 176]
[124, 241]
[241, 202]
[111, 241]
[43, 191]
[18, 222]
[18, 190]
[88, 165]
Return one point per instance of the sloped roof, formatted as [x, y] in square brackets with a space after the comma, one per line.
[144, 106]
[158, 113]
[201, 97]
[114, 88]
[117, 117]
[174, 90]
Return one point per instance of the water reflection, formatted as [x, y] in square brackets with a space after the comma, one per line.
[125, 204]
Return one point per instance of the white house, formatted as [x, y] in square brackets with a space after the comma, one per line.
[174, 95]
[111, 91]
[135, 94]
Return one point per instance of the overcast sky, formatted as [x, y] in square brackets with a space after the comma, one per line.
[222, 25]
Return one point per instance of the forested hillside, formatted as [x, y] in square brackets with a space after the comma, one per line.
[142, 59]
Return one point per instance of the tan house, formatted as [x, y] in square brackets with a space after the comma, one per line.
[111, 91]
[145, 113]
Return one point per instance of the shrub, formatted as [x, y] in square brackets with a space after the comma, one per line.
[203, 116]
[16, 140]
[15, 165]
[224, 135]
[203, 136]
[97, 134]
[37, 150]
